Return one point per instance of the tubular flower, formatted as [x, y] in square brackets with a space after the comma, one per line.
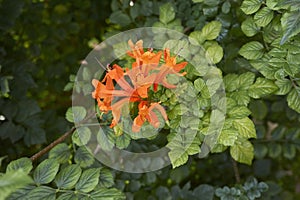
[147, 114]
[134, 85]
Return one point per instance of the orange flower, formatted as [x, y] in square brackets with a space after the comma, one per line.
[147, 114]
[170, 67]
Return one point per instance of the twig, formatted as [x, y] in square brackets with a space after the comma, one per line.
[236, 171]
[53, 144]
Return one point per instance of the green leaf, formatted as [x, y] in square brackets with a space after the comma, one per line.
[239, 112]
[75, 114]
[84, 157]
[68, 196]
[199, 84]
[258, 109]
[197, 1]
[228, 137]
[211, 30]
[274, 150]
[104, 141]
[241, 97]
[293, 99]
[262, 87]
[242, 151]
[249, 27]
[290, 22]
[24, 164]
[245, 127]
[231, 82]
[68, 177]
[178, 157]
[214, 53]
[107, 194]
[260, 150]
[250, 6]
[284, 85]
[81, 136]
[42, 192]
[289, 151]
[196, 37]
[252, 50]
[106, 178]
[226, 7]
[11, 181]
[166, 13]
[45, 171]
[204, 192]
[1, 159]
[61, 153]
[118, 17]
[88, 180]
[246, 80]
[263, 17]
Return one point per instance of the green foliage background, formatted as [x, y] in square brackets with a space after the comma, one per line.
[256, 45]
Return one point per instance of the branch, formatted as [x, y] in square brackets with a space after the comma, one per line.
[236, 171]
[53, 144]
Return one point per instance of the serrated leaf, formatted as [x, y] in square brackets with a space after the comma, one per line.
[211, 30]
[252, 50]
[75, 114]
[284, 85]
[242, 151]
[290, 22]
[178, 157]
[42, 192]
[106, 178]
[293, 99]
[166, 13]
[241, 97]
[196, 38]
[84, 157]
[245, 127]
[24, 164]
[239, 112]
[250, 6]
[245, 80]
[228, 137]
[199, 84]
[231, 82]
[81, 136]
[215, 53]
[118, 17]
[68, 196]
[289, 151]
[249, 27]
[274, 150]
[88, 180]
[13, 180]
[258, 109]
[21, 193]
[262, 87]
[45, 171]
[104, 141]
[263, 17]
[68, 177]
[107, 194]
[61, 153]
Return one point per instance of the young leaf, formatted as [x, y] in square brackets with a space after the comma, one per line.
[250, 6]
[252, 50]
[178, 157]
[228, 137]
[88, 180]
[84, 157]
[166, 13]
[284, 85]
[68, 177]
[61, 153]
[239, 112]
[11, 181]
[211, 30]
[24, 164]
[245, 127]
[291, 25]
[249, 27]
[263, 17]
[45, 171]
[242, 151]
[42, 192]
[262, 87]
[293, 100]
[214, 53]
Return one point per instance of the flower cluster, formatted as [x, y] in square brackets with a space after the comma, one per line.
[134, 84]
